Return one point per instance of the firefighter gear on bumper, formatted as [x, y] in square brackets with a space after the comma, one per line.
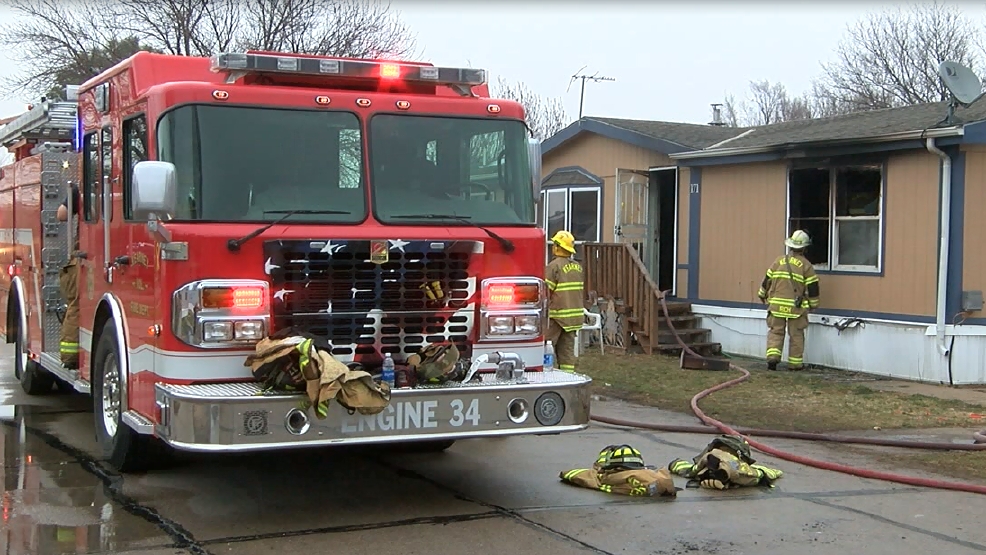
[437, 363]
[566, 305]
[725, 463]
[293, 362]
[790, 289]
[68, 346]
[620, 470]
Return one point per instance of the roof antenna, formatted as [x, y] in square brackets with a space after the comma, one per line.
[965, 87]
[579, 75]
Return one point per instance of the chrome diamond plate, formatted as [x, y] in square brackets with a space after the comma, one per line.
[250, 389]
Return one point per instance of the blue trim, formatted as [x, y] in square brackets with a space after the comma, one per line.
[782, 152]
[956, 231]
[832, 312]
[694, 227]
[570, 169]
[974, 133]
[634, 138]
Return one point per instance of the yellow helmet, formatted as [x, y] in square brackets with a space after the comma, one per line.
[798, 240]
[564, 240]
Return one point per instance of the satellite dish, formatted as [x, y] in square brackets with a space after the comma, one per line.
[964, 85]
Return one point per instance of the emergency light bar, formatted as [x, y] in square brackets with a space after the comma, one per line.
[358, 69]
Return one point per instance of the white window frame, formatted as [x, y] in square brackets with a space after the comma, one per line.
[833, 220]
[568, 190]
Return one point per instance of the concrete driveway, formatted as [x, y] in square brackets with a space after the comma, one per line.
[481, 496]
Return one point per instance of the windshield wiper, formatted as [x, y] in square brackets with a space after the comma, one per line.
[234, 244]
[507, 245]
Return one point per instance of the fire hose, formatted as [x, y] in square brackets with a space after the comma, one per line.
[713, 426]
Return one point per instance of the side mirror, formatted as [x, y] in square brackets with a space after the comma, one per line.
[155, 191]
[534, 154]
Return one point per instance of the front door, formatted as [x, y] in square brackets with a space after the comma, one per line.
[631, 210]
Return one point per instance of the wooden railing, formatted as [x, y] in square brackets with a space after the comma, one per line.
[615, 271]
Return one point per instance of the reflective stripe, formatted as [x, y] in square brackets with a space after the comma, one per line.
[564, 312]
[569, 286]
[551, 284]
[773, 351]
[566, 367]
[781, 301]
[797, 360]
[785, 315]
[68, 347]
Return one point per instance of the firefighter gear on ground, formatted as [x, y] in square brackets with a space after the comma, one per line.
[620, 469]
[293, 361]
[68, 283]
[566, 304]
[726, 462]
[790, 289]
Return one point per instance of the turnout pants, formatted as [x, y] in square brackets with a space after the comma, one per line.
[564, 344]
[68, 281]
[775, 339]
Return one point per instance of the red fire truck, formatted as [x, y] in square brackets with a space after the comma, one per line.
[382, 206]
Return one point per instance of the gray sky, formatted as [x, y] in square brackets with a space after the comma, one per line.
[670, 59]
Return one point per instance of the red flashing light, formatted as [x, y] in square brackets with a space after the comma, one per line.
[500, 294]
[243, 298]
[390, 71]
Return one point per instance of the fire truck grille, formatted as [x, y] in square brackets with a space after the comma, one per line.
[373, 297]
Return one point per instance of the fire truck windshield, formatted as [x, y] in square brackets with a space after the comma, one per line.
[237, 163]
[475, 169]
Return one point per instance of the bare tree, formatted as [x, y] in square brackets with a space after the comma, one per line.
[545, 116]
[891, 58]
[62, 37]
[60, 44]
[766, 103]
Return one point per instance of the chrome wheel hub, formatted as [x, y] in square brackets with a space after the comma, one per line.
[111, 395]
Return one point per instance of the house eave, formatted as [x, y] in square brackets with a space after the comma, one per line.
[955, 131]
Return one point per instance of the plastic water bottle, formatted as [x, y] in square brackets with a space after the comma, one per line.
[549, 357]
[387, 374]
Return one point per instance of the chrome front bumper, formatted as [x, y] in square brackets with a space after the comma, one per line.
[239, 417]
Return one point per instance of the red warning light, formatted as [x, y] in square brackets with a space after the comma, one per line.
[390, 71]
[220, 95]
[322, 100]
[493, 108]
[403, 104]
[363, 102]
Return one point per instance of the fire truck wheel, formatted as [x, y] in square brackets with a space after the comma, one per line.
[34, 379]
[122, 447]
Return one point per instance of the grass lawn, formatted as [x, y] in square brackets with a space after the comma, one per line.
[813, 400]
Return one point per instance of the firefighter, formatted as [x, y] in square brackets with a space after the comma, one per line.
[68, 280]
[566, 316]
[790, 289]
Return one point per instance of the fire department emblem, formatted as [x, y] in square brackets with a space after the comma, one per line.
[379, 252]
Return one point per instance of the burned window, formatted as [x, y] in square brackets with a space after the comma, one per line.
[841, 209]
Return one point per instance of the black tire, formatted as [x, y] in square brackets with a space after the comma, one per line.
[34, 379]
[124, 449]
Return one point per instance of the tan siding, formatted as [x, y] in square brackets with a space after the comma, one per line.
[742, 226]
[602, 156]
[910, 252]
[974, 256]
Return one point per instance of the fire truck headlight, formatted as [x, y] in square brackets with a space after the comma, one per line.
[501, 325]
[221, 313]
[217, 331]
[529, 324]
[251, 329]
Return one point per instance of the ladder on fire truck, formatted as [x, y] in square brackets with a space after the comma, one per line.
[49, 128]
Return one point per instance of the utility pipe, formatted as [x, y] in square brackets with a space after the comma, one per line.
[946, 211]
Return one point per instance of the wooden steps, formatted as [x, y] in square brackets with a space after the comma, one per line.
[615, 272]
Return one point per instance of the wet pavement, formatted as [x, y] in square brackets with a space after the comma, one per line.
[479, 497]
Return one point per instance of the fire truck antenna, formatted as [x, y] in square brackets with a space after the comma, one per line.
[594, 77]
